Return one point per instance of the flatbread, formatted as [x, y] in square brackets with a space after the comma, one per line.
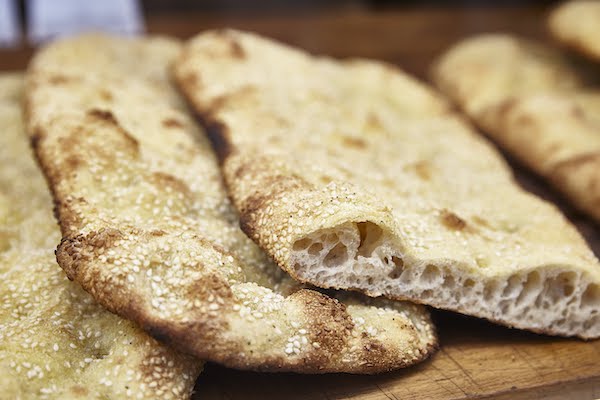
[353, 175]
[576, 24]
[536, 104]
[149, 232]
[55, 341]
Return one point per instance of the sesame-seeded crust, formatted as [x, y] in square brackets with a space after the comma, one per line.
[149, 232]
[56, 342]
[536, 104]
[576, 24]
[353, 175]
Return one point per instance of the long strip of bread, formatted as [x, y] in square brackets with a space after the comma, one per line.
[149, 232]
[576, 24]
[535, 103]
[353, 175]
[56, 342]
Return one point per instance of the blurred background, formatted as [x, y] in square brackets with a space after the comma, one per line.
[408, 33]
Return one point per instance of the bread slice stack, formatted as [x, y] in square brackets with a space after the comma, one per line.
[149, 232]
[211, 193]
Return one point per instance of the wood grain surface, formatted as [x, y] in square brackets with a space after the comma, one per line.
[477, 359]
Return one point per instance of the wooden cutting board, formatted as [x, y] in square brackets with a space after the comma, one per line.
[476, 360]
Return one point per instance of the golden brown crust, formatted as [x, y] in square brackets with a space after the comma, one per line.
[57, 342]
[353, 175]
[149, 232]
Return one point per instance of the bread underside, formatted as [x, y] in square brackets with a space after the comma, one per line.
[351, 174]
[149, 232]
[56, 342]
